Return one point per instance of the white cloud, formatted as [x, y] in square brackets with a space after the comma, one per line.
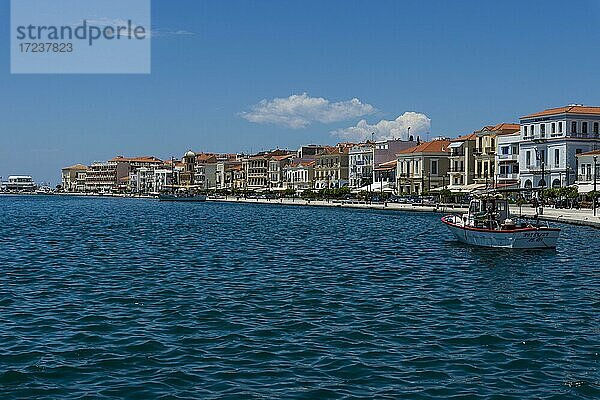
[397, 129]
[299, 111]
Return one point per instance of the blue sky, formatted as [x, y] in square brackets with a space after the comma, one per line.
[463, 64]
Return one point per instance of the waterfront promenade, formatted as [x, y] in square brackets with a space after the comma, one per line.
[571, 216]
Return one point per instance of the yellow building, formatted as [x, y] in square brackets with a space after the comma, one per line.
[485, 151]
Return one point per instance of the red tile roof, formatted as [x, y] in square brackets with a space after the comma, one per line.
[463, 138]
[506, 127]
[566, 110]
[279, 158]
[591, 153]
[142, 159]
[206, 158]
[306, 163]
[435, 146]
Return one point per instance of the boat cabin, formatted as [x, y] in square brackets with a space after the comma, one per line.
[488, 213]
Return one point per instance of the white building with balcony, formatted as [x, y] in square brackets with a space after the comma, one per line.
[361, 163]
[507, 160]
[588, 173]
[551, 141]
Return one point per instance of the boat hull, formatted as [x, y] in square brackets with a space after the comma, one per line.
[522, 238]
[170, 197]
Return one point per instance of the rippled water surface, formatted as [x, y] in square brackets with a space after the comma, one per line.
[123, 298]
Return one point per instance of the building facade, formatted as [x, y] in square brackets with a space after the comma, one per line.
[276, 172]
[361, 159]
[588, 174]
[331, 167]
[423, 167]
[300, 175]
[73, 178]
[507, 160]
[461, 157]
[485, 151]
[20, 183]
[551, 140]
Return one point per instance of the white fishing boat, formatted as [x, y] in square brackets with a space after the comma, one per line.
[487, 223]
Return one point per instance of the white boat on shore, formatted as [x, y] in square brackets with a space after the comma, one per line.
[488, 224]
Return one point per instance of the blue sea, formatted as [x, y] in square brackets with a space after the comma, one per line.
[106, 298]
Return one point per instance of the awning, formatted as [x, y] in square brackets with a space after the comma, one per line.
[375, 187]
[455, 145]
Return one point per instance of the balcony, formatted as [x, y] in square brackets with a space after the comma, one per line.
[508, 157]
[508, 176]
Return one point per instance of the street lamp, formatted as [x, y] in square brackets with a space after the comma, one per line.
[539, 157]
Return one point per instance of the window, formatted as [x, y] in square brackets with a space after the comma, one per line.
[542, 129]
[553, 128]
[434, 167]
[560, 127]
[556, 157]
[584, 127]
[505, 150]
[525, 130]
[531, 130]
[528, 158]
[573, 127]
[596, 128]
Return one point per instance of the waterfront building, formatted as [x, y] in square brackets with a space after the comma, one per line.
[277, 166]
[103, 177]
[20, 183]
[310, 151]
[73, 178]
[186, 177]
[384, 160]
[205, 171]
[300, 174]
[461, 169]
[588, 171]
[507, 160]
[238, 175]
[114, 174]
[372, 162]
[331, 167]
[384, 176]
[225, 170]
[551, 141]
[485, 151]
[423, 167]
[360, 164]
[257, 169]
